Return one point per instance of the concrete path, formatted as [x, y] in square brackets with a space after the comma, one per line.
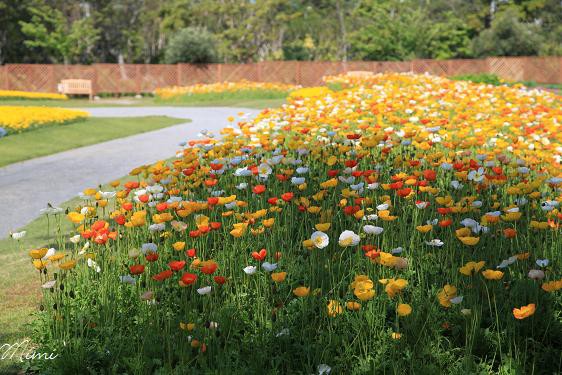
[26, 187]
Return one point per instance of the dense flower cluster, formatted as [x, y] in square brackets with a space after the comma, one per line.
[13, 94]
[19, 118]
[223, 87]
[397, 208]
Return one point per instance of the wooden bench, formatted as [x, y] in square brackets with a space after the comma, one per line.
[76, 86]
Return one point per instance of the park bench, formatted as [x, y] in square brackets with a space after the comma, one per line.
[76, 86]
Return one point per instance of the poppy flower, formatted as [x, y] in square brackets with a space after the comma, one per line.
[301, 291]
[191, 253]
[404, 309]
[151, 256]
[163, 275]
[259, 256]
[136, 269]
[208, 267]
[258, 189]
[176, 265]
[219, 279]
[188, 278]
[278, 277]
[524, 311]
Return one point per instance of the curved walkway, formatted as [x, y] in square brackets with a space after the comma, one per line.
[26, 187]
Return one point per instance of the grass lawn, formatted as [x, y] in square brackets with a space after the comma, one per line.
[53, 139]
[246, 102]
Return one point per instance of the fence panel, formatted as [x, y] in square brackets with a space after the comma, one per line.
[137, 78]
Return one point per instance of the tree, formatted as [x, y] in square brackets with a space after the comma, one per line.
[50, 31]
[508, 36]
[191, 45]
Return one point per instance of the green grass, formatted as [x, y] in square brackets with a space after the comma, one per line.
[20, 292]
[53, 139]
[245, 102]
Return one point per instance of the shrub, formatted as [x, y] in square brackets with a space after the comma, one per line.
[191, 45]
[490, 79]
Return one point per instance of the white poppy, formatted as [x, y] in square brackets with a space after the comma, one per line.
[269, 266]
[127, 279]
[348, 238]
[75, 239]
[536, 274]
[324, 369]
[371, 229]
[18, 235]
[435, 242]
[49, 284]
[204, 290]
[250, 270]
[320, 239]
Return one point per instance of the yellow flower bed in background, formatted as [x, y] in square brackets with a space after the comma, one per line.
[12, 94]
[17, 118]
[222, 87]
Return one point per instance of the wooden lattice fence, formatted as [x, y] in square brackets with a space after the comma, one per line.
[143, 78]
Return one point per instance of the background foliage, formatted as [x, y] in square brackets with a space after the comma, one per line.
[137, 31]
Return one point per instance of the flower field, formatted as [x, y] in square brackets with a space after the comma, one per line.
[13, 94]
[405, 224]
[225, 90]
[16, 119]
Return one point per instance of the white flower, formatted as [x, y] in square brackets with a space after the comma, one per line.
[107, 194]
[127, 279]
[397, 250]
[298, 180]
[49, 253]
[435, 242]
[242, 186]
[456, 185]
[371, 229]
[476, 176]
[456, 300]
[382, 207]
[49, 284]
[18, 235]
[283, 332]
[146, 247]
[348, 238]
[84, 248]
[507, 262]
[269, 266]
[204, 290]
[320, 239]
[264, 170]
[93, 265]
[250, 270]
[542, 262]
[477, 204]
[75, 239]
[536, 274]
[324, 369]
[422, 204]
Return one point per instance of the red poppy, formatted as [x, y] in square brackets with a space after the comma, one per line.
[258, 189]
[188, 278]
[144, 198]
[373, 254]
[211, 182]
[368, 247]
[209, 268]
[397, 185]
[216, 167]
[353, 136]
[212, 201]
[444, 210]
[191, 253]
[161, 206]
[509, 232]
[100, 224]
[259, 256]
[176, 265]
[194, 233]
[350, 163]
[131, 185]
[163, 275]
[287, 196]
[188, 171]
[219, 280]
[136, 269]
[282, 177]
[120, 219]
[215, 225]
[302, 208]
[429, 175]
[101, 239]
[151, 256]
[404, 192]
[127, 206]
[272, 201]
[445, 223]
[333, 172]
